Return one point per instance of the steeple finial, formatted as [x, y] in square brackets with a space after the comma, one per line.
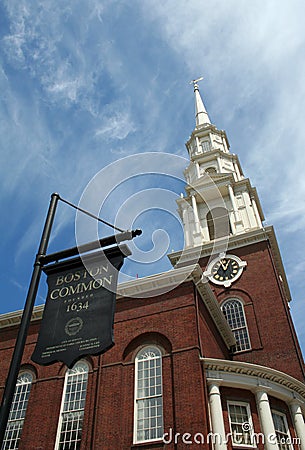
[202, 116]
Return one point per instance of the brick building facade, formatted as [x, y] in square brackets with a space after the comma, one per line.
[201, 359]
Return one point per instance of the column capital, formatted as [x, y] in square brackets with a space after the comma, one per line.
[261, 387]
[214, 381]
[297, 401]
[214, 389]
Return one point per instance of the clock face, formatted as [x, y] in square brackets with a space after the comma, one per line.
[225, 269]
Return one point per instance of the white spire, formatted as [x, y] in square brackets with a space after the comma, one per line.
[202, 116]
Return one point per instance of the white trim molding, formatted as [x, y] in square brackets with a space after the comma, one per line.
[252, 377]
[155, 285]
[233, 242]
[240, 437]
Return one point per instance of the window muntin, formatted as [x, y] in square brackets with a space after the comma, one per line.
[241, 423]
[148, 395]
[233, 310]
[206, 146]
[281, 430]
[70, 424]
[17, 411]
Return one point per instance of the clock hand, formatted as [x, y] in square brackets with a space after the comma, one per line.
[225, 266]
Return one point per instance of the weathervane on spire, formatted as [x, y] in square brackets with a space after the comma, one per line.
[195, 82]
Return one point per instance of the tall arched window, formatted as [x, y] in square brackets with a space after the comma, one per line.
[218, 223]
[233, 310]
[70, 423]
[148, 395]
[17, 411]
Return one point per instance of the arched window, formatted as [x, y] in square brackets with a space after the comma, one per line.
[17, 412]
[70, 423]
[148, 395]
[218, 223]
[233, 310]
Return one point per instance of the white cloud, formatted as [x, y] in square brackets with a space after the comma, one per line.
[115, 125]
[84, 82]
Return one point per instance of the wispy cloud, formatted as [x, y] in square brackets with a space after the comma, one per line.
[83, 83]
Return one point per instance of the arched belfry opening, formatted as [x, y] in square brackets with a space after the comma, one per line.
[218, 223]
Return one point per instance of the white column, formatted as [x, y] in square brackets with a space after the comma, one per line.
[197, 170]
[298, 422]
[196, 217]
[256, 213]
[218, 426]
[233, 201]
[237, 172]
[186, 227]
[219, 164]
[199, 148]
[266, 420]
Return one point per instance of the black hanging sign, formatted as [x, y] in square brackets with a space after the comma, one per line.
[79, 311]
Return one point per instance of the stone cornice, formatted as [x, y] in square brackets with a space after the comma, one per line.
[190, 255]
[213, 307]
[214, 153]
[14, 318]
[204, 129]
[139, 288]
[155, 285]
[152, 285]
[203, 183]
[254, 377]
[278, 261]
[221, 180]
[214, 247]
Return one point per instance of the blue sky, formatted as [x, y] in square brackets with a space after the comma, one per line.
[85, 83]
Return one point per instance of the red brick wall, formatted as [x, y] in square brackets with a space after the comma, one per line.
[272, 334]
[282, 407]
[179, 322]
[170, 321]
[230, 394]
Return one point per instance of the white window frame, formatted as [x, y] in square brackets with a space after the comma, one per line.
[205, 145]
[63, 410]
[248, 424]
[238, 328]
[16, 423]
[142, 398]
[279, 413]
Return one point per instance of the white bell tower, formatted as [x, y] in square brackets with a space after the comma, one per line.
[219, 200]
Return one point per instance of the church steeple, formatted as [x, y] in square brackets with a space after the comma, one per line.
[216, 188]
[205, 137]
[202, 116]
